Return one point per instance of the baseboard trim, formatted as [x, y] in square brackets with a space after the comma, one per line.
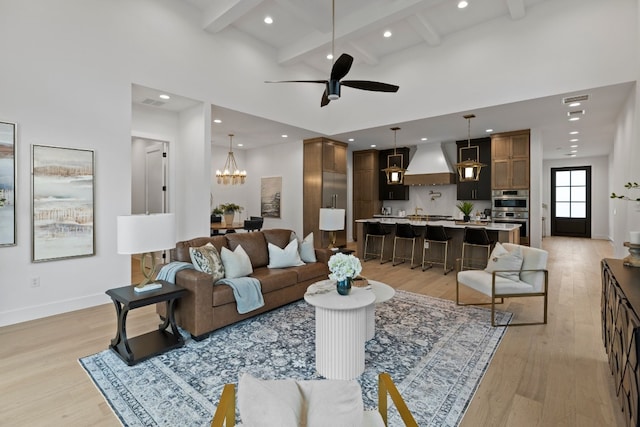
[33, 312]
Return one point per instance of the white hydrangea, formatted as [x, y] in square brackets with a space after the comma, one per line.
[343, 266]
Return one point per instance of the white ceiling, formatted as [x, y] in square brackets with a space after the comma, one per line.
[301, 33]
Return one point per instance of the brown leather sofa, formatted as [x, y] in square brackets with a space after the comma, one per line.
[206, 307]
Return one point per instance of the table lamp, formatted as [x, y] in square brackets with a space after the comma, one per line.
[331, 220]
[145, 234]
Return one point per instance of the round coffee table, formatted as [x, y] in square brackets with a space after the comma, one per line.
[341, 329]
[383, 292]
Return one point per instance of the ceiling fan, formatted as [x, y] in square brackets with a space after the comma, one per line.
[339, 70]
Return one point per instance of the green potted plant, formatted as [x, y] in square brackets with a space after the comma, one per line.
[466, 208]
[229, 210]
[216, 215]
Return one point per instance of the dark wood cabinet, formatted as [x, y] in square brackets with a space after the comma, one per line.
[621, 333]
[386, 159]
[481, 189]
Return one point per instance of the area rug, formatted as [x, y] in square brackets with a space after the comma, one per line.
[436, 353]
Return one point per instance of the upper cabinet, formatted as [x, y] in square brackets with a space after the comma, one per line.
[334, 156]
[510, 160]
[388, 158]
[479, 149]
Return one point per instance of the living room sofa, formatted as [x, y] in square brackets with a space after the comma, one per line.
[207, 307]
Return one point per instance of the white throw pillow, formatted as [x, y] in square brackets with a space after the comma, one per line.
[332, 403]
[268, 403]
[307, 251]
[287, 257]
[207, 259]
[502, 259]
[236, 263]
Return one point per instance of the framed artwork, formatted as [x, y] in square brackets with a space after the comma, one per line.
[270, 190]
[7, 184]
[62, 203]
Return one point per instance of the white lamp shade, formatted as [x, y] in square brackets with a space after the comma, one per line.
[331, 219]
[139, 234]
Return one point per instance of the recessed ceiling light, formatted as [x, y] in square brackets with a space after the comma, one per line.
[330, 56]
[284, 135]
[574, 140]
[164, 96]
[462, 4]
[574, 104]
[217, 121]
[572, 155]
[574, 151]
[489, 130]
[574, 146]
[351, 140]
[240, 145]
[424, 139]
[573, 119]
[574, 132]
[373, 146]
[268, 20]
[387, 34]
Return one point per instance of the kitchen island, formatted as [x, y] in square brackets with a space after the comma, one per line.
[498, 232]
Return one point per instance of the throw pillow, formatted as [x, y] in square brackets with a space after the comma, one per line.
[502, 259]
[236, 263]
[207, 259]
[332, 403]
[267, 403]
[307, 251]
[287, 257]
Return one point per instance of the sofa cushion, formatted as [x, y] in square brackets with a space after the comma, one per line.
[254, 244]
[272, 279]
[278, 236]
[207, 259]
[311, 271]
[236, 263]
[282, 258]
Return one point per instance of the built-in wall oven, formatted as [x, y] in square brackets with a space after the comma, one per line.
[512, 207]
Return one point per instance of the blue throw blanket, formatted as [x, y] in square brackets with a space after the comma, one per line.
[168, 271]
[247, 292]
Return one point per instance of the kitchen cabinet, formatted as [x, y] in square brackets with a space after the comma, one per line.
[620, 309]
[386, 159]
[510, 160]
[481, 189]
[366, 167]
[324, 186]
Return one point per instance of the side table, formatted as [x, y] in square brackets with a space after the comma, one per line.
[137, 349]
[383, 292]
[340, 329]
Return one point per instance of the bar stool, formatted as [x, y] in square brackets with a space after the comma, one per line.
[436, 234]
[404, 231]
[374, 230]
[475, 236]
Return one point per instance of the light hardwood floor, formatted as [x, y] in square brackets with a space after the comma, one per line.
[551, 375]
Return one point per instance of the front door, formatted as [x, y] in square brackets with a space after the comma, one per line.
[571, 201]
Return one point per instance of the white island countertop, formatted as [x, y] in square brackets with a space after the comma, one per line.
[493, 226]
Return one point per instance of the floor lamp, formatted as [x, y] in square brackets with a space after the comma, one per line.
[331, 220]
[145, 234]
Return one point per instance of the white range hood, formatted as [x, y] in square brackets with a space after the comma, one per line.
[429, 166]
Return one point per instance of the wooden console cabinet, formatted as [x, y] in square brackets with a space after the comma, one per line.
[621, 333]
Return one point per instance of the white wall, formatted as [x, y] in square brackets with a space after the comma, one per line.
[599, 192]
[69, 66]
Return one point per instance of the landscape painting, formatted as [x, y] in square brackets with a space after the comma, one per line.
[270, 189]
[7, 184]
[62, 205]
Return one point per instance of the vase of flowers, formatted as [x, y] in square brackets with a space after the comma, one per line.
[343, 269]
[229, 210]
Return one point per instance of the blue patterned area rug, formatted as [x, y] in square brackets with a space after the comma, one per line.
[436, 353]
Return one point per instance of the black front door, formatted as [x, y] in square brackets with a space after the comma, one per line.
[571, 201]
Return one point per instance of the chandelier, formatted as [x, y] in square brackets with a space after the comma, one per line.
[231, 174]
[394, 170]
[469, 170]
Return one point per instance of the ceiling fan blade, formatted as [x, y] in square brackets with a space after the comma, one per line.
[341, 67]
[368, 85]
[297, 81]
[325, 99]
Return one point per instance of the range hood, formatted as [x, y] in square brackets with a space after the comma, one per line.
[429, 166]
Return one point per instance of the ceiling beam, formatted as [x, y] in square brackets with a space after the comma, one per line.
[220, 14]
[516, 8]
[353, 26]
[424, 28]
[363, 54]
[305, 15]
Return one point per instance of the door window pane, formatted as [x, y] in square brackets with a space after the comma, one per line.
[578, 194]
[563, 194]
[563, 178]
[563, 210]
[578, 177]
[578, 210]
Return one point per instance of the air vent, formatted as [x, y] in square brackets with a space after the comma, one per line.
[575, 113]
[153, 102]
[577, 98]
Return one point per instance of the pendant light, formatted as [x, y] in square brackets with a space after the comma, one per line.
[230, 174]
[394, 170]
[469, 170]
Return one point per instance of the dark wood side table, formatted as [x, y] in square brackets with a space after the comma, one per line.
[137, 349]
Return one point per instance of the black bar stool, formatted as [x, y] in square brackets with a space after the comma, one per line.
[475, 236]
[436, 234]
[405, 231]
[375, 231]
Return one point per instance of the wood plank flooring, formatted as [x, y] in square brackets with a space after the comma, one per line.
[551, 375]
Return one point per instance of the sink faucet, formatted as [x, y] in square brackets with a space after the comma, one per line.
[418, 209]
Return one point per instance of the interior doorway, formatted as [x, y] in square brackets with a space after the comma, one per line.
[571, 201]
